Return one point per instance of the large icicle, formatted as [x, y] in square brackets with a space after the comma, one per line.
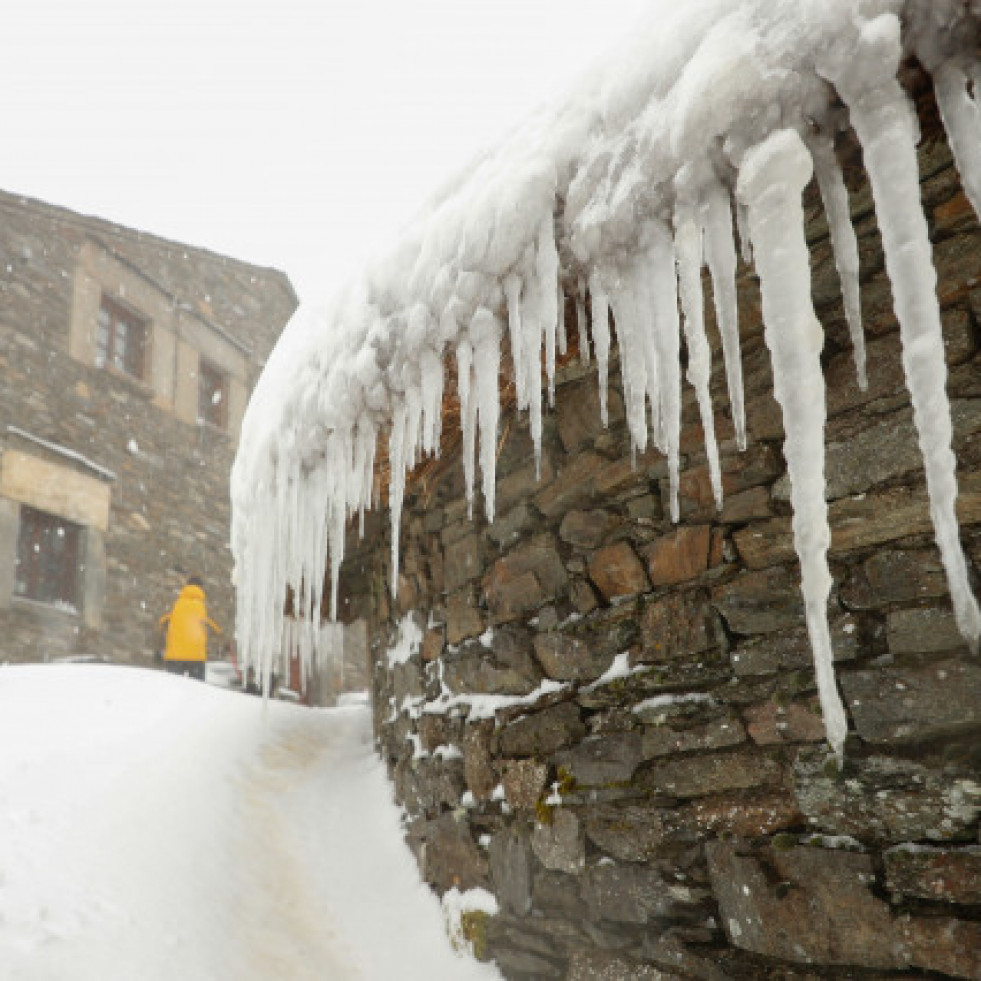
[688, 252]
[468, 414]
[600, 319]
[485, 333]
[664, 290]
[884, 125]
[720, 257]
[844, 244]
[771, 180]
[961, 116]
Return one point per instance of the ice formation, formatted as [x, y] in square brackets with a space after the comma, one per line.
[701, 133]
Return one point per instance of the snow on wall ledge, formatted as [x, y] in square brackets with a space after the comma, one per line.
[621, 195]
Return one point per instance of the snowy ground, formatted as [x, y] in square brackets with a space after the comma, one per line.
[154, 827]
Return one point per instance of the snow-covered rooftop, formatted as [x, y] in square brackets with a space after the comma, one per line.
[622, 193]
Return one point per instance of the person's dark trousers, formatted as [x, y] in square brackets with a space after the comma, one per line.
[193, 669]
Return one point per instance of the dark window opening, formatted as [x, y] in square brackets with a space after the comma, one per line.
[120, 340]
[48, 549]
[212, 396]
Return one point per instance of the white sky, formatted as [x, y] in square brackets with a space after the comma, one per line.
[300, 134]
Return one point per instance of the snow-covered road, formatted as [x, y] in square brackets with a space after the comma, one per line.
[156, 828]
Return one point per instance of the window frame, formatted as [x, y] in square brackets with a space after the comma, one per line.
[116, 326]
[35, 577]
[212, 380]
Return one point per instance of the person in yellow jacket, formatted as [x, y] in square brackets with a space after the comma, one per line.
[187, 632]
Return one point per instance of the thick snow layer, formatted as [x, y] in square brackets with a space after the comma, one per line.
[154, 827]
[627, 189]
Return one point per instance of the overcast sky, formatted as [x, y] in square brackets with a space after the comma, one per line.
[299, 134]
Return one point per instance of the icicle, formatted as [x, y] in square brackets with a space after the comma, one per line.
[664, 291]
[581, 325]
[563, 337]
[633, 357]
[742, 230]
[600, 305]
[396, 483]
[485, 333]
[532, 319]
[512, 292]
[688, 250]
[468, 410]
[431, 378]
[962, 120]
[720, 257]
[844, 244]
[547, 275]
[638, 292]
[771, 181]
[879, 114]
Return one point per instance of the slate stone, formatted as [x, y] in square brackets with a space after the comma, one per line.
[899, 704]
[941, 874]
[679, 556]
[923, 630]
[891, 576]
[478, 762]
[586, 529]
[524, 783]
[591, 965]
[761, 602]
[772, 724]
[597, 761]
[883, 799]
[680, 625]
[699, 776]
[511, 526]
[664, 740]
[524, 579]
[463, 616]
[790, 650]
[626, 893]
[509, 854]
[560, 842]
[944, 944]
[806, 905]
[568, 657]
[544, 732]
[450, 857]
[616, 571]
[579, 419]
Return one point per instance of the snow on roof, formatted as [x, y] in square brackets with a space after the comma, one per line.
[622, 193]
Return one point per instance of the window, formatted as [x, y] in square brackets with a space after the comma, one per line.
[47, 559]
[120, 341]
[212, 396]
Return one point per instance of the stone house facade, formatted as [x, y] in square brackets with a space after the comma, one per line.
[681, 816]
[126, 362]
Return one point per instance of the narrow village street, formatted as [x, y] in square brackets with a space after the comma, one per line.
[154, 827]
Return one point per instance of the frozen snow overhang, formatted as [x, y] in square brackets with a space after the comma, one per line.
[623, 194]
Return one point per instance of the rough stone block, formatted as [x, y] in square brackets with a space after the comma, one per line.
[884, 799]
[601, 760]
[807, 905]
[680, 625]
[463, 616]
[761, 602]
[942, 874]
[663, 740]
[944, 944]
[524, 783]
[899, 704]
[560, 843]
[679, 556]
[450, 857]
[617, 572]
[923, 630]
[573, 486]
[462, 561]
[567, 657]
[586, 529]
[509, 527]
[478, 762]
[716, 773]
[595, 965]
[633, 894]
[894, 576]
[789, 650]
[524, 579]
[509, 854]
[579, 420]
[542, 733]
[770, 724]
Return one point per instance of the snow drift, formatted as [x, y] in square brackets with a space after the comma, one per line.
[622, 194]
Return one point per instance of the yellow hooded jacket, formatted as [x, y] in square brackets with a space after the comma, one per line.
[187, 635]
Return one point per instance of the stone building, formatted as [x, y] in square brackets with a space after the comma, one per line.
[126, 362]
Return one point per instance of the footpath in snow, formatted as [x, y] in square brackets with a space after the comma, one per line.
[154, 827]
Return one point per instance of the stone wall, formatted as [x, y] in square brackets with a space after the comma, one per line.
[684, 819]
[167, 480]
